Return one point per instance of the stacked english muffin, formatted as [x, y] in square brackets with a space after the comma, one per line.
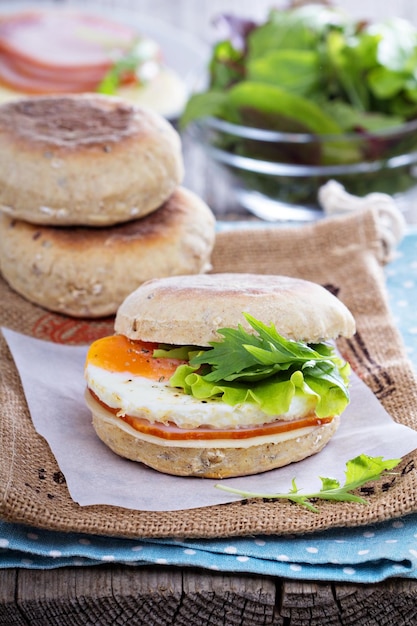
[91, 203]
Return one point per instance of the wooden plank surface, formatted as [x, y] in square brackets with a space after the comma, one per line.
[110, 594]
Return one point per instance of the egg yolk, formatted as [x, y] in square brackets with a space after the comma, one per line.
[117, 353]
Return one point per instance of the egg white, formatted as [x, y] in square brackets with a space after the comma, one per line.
[158, 402]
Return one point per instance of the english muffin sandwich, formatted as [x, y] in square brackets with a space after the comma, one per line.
[220, 375]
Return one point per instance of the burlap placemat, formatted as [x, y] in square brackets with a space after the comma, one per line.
[345, 254]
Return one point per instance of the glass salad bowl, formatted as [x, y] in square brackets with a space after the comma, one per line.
[277, 175]
[308, 95]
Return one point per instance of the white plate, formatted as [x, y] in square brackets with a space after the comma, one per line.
[183, 54]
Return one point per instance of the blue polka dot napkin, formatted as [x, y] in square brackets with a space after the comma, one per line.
[368, 554]
[364, 554]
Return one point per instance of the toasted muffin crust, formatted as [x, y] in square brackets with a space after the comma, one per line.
[87, 272]
[85, 160]
[299, 309]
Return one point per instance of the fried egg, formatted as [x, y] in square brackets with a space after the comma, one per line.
[124, 376]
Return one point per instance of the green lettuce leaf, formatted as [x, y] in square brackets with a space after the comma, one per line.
[212, 103]
[299, 58]
[295, 71]
[272, 396]
[265, 369]
[273, 99]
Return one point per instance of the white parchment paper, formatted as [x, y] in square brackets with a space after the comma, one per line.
[53, 381]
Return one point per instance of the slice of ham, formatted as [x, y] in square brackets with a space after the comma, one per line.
[57, 51]
[172, 432]
[12, 76]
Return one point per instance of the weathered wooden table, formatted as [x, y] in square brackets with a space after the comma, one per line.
[171, 596]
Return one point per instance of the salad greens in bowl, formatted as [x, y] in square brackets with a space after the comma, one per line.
[306, 96]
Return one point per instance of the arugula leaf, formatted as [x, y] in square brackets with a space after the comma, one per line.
[359, 471]
[266, 369]
[242, 353]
